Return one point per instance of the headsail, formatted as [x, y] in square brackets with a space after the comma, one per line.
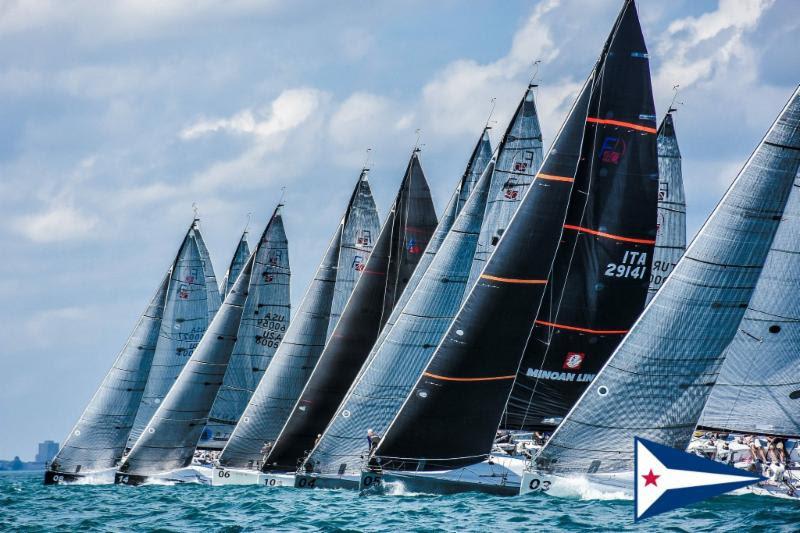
[450, 418]
[185, 319]
[601, 272]
[169, 439]
[671, 237]
[358, 237]
[519, 157]
[657, 381]
[417, 329]
[99, 438]
[264, 323]
[303, 342]
[237, 263]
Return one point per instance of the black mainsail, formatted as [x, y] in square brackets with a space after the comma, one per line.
[237, 264]
[601, 273]
[450, 418]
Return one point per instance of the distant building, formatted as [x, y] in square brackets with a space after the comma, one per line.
[47, 450]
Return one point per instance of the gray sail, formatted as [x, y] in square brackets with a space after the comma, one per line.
[758, 389]
[169, 439]
[213, 298]
[100, 436]
[263, 325]
[237, 263]
[671, 236]
[183, 324]
[304, 340]
[519, 157]
[657, 381]
[360, 230]
[392, 369]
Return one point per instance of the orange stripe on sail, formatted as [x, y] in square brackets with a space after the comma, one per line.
[631, 125]
[609, 235]
[584, 330]
[445, 378]
[515, 280]
[551, 177]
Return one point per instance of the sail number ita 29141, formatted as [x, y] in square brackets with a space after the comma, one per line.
[633, 265]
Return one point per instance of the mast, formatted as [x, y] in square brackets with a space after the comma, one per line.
[671, 237]
[340, 364]
[264, 322]
[601, 273]
[450, 418]
[656, 383]
[303, 342]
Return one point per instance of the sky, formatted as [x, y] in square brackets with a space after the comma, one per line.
[117, 116]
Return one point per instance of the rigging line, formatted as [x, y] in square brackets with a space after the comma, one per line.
[585, 330]
[366, 160]
[672, 107]
[283, 193]
[514, 280]
[490, 378]
[493, 101]
[535, 66]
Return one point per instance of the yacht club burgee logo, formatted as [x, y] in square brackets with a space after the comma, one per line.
[667, 478]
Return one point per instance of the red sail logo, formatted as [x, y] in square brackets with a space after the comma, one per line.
[573, 361]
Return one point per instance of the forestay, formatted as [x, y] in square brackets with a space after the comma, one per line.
[99, 438]
[299, 350]
[263, 325]
[657, 381]
[375, 397]
[601, 273]
[671, 237]
[519, 157]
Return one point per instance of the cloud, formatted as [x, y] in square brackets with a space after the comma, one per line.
[59, 223]
[290, 109]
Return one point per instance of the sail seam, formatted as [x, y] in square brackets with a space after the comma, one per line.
[631, 125]
[609, 235]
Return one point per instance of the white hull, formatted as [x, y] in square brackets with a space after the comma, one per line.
[235, 476]
[500, 475]
[616, 486]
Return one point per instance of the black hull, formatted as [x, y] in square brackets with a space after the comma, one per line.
[445, 486]
[59, 478]
[129, 479]
[306, 481]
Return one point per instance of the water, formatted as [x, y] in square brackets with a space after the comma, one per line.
[26, 504]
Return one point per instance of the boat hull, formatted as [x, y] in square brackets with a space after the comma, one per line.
[315, 481]
[587, 486]
[499, 476]
[233, 476]
[190, 474]
[60, 478]
[129, 479]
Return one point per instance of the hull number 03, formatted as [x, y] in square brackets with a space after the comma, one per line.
[537, 484]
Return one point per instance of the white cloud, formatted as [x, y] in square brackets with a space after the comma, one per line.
[290, 109]
[59, 223]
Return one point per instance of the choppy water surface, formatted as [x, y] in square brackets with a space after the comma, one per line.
[26, 504]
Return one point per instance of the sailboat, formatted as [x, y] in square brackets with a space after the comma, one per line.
[591, 288]
[671, 236]
[237, 263]
[347, 255]
[414, 331]
[191, 303]
[167, 445]
[401, 243]
[263, 324]
[656, 383]
[97, 442]
[519, 157]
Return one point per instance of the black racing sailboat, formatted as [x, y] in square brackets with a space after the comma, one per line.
[442, 437]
